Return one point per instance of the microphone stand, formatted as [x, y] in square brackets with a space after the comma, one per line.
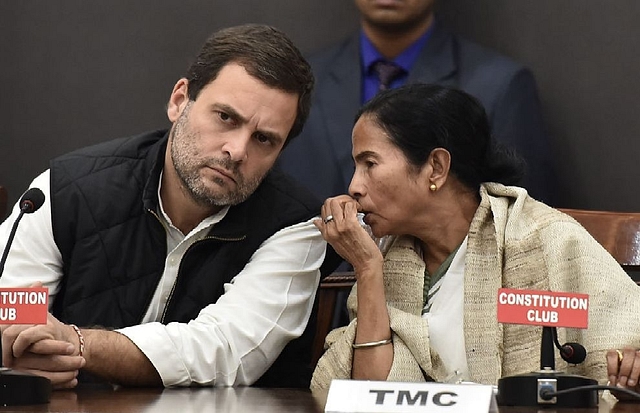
[527, 389]
[12, 234]
[19, 387]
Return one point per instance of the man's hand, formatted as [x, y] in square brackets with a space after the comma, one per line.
[50, 350]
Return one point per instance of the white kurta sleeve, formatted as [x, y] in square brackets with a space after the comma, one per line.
[34, 255]
[235, 340]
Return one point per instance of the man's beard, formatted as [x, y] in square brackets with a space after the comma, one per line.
[188, 162]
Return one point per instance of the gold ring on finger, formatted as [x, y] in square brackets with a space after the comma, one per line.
[620, 356]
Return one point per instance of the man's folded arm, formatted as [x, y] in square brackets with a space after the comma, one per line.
[235, 340]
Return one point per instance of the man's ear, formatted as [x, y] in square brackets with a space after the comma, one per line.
[440, 162]
[178, 100]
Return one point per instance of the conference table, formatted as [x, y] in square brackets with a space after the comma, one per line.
[105, 399]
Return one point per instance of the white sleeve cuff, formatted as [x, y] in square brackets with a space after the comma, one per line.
[152, 339]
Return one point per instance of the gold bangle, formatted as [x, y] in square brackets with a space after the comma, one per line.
[371, 344]
[80, 339]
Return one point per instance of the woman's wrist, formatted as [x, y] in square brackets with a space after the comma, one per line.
[370, 344]
[370, 270]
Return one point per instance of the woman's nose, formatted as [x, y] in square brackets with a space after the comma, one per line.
[355, 188]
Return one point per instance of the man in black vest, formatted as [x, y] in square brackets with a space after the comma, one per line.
[199, 260]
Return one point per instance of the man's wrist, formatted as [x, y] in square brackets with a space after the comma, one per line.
[80, 337]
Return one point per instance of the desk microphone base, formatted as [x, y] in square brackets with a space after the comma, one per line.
[18, 388]
[524, 390]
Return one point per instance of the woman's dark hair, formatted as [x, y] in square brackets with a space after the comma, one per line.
[421, 117]
[266, 54]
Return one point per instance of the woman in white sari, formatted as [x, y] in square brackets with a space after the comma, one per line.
[429, 178]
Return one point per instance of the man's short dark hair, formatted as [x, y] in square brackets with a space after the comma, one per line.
[266, 53]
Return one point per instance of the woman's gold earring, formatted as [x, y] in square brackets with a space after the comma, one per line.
[433, 187]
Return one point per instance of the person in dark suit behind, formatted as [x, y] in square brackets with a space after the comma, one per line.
[408, 34]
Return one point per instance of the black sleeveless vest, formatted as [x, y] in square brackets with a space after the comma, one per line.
[113, 245]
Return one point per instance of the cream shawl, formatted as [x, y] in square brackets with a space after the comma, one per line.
[514, 242]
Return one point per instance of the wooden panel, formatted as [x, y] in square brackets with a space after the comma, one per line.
[617, 232]
[330, 286]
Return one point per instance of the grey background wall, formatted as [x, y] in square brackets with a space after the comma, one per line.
[74, 72]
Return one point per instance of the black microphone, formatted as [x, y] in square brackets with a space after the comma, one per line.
[16, 387]
[30, 202]
[533, 389]
[573, 353]
[547, 386]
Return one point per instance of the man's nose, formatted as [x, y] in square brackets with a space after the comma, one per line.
[237, 146]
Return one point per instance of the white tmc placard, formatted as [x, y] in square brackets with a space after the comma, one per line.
[358, 396]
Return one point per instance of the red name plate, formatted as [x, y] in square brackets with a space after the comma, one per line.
[543, 308]
[24, 305]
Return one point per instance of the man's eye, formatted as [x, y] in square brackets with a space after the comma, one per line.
[262, 138]
[224, 116]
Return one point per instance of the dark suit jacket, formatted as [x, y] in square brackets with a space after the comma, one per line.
[321, 156]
